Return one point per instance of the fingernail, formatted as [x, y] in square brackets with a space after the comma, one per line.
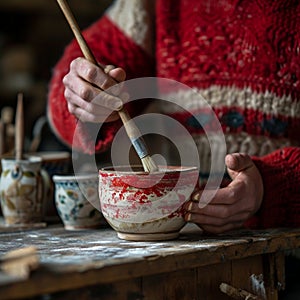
[190, 206]
[196, 197]
[189, 217]
[108, 68]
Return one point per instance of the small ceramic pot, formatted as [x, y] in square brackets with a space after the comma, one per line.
[77, 201]
[23, 189]
[142, 206]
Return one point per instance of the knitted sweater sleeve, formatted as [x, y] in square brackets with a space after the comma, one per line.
[280, 171]
[110, 45]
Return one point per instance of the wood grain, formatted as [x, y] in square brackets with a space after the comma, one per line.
[196, 264]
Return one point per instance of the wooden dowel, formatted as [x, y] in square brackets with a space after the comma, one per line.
[20, 262]
[237, 294]
[19, 134]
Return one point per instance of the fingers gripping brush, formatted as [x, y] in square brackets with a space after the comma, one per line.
[131, 129]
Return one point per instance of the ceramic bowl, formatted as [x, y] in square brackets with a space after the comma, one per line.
[77, 201]
[142, 206]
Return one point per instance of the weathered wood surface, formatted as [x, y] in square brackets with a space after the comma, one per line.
[75, 259]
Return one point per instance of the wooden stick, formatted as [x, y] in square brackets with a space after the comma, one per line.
[237, 294]
[131, 129]
[37, 134]
[19, 134]
[20, 262]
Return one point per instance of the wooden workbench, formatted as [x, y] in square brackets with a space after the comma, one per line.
[95, 264]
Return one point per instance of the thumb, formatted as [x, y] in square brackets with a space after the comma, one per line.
[237, 162]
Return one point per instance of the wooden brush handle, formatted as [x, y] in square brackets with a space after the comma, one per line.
[76, 30]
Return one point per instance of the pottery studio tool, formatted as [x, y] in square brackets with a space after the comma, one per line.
[131, 129]
[19, 134]
[20, 262]
[37, 133]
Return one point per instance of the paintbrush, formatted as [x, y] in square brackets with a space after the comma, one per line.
[131, 129]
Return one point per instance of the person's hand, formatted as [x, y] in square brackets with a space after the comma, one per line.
[232, 205]
[84, 83]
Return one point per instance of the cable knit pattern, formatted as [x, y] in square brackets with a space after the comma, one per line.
[242, 57]
[247, 44]
[281, 175]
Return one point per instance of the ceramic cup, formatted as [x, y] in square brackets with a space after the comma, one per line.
[77, 201]
[142, 206]
[23, 189]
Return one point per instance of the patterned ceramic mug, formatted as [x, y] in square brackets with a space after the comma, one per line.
[77, 201]
[23, 191]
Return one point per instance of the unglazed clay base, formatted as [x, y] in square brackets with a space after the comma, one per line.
[148, 236]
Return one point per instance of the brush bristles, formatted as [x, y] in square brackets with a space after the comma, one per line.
[148, 164]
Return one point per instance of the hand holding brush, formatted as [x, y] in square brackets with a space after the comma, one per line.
[131, 129]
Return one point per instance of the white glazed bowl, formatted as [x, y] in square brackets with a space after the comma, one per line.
[77, 201]
[143, 206]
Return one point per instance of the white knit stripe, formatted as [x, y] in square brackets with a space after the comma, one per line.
[240, 142]
[221, 97]
[243, 143]
[135, 19]
[255, 145]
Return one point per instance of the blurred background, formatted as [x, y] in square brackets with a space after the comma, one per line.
[33, 35]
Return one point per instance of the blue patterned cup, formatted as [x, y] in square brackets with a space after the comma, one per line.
[77, 201]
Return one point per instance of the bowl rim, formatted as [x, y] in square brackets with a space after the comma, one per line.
[26, 159]
[74, 177]
[50, 155]
[164, 169]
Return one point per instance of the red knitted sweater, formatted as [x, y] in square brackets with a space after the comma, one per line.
[243, 56]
